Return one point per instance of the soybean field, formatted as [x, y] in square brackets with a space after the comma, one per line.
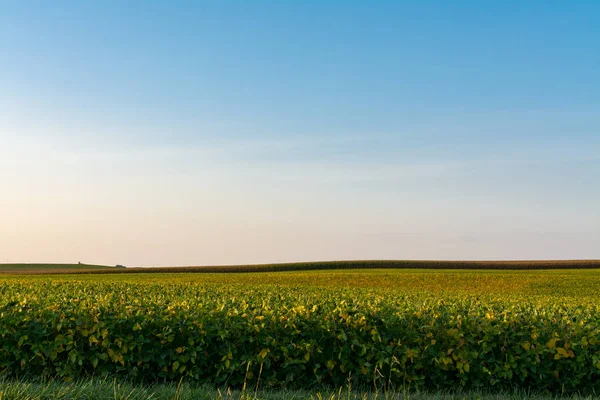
[420, 329]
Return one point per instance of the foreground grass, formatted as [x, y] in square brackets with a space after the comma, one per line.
[113, 390]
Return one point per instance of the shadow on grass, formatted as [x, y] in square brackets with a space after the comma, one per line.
[105, 389]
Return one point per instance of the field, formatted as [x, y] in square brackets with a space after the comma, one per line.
[376, 329]
[364, 264]
[51, 268]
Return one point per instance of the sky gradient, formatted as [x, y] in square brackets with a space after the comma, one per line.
[222, 132]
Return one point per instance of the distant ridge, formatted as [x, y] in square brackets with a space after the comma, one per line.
[304, 266]
[51, 268]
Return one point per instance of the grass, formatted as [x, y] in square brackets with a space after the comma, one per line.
[105, 389]
[51, 268]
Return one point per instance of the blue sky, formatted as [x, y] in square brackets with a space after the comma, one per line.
[180, 133]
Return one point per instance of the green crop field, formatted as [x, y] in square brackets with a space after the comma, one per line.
[376, 329]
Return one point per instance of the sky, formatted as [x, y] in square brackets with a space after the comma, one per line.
[150, 133]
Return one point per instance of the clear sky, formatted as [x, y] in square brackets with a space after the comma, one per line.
[192, 133]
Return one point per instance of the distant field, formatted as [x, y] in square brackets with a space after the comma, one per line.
[51, 268]
[303, 266]
[369, 264]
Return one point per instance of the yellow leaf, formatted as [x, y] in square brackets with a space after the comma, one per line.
[263, 353]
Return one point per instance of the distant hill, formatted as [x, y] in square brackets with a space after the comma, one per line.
[366, 264]
[302, 266]
[51, 268]
[380, 264]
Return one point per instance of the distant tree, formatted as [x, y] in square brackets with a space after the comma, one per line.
[120, 266]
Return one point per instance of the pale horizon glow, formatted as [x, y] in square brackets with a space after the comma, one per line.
[217, 133]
